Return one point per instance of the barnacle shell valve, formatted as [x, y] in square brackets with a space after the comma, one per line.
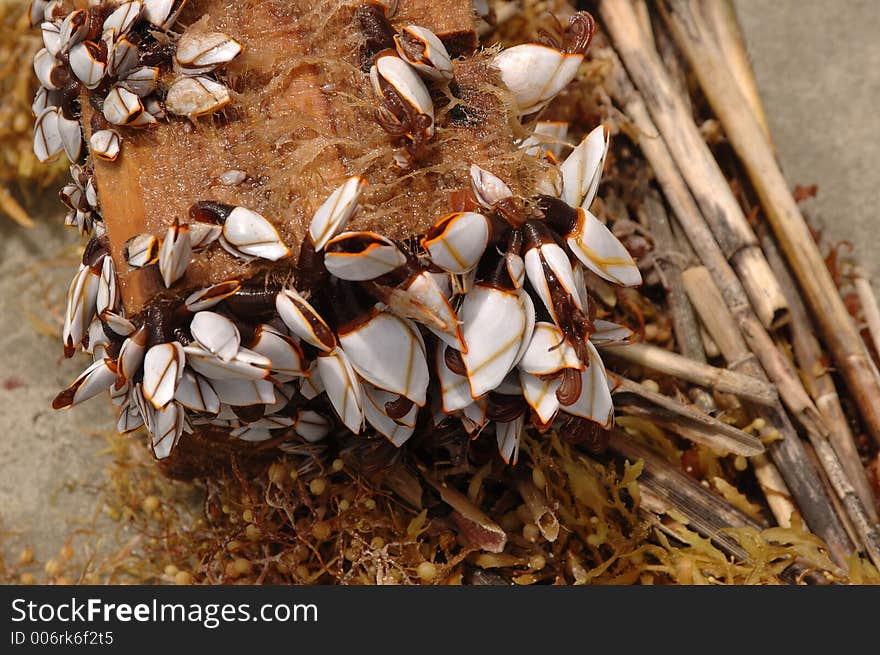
[209, 340]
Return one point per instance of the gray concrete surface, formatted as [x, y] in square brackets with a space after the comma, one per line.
[817, 64]
[818, 67]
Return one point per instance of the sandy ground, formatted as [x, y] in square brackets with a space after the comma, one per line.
[818, 67]
[51, 464]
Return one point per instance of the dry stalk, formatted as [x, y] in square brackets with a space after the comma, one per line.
[696, 162]
[669, 263]
[721, 16]
[743, 328]
[687, 213]
[789, 226]
[809, 355]
[718, 379]
[870, 308]
[666, 490]
[788, 453]
[634, 399]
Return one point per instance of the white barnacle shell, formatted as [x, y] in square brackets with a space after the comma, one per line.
[550, 258]
[600, 251]
[311, 425]
[607, 333]
[162, 13]
[508, 435]
[488, 187]
[497, 326]
[51, 33]
[457, 241]
[121, 19]
[141, 81]
[594, 402]
[104, 144]
[216, 334]
[98, 377]
[540, 394]
[246, 364]
[44, 63]
[424, 51]
[108, 291]
[74, 28]
[455, 390]
[360, 256]
[388, 352]
[211, 296]
[168, 425]
[163, 368]
[36, 12]
[53, 11]
[343, 388]
[88, 63]
[401, 77]
[582, 169]
[535, 73]
[71, 136]
[548, 353]
[375, 413]
[240, 392]
[303, 320]
[43, 99]
[47, 136]
[335, 212]
[547, 136]
[201, 52]
[122, 57]
[196, 96]
[175, 253]
[196, 393]
[249, 233]
[286, 355]
[141, 250]
[203, 234]
[122, 107]
[232, 177]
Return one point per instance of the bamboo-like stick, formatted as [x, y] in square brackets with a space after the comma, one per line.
[721, 17]
[673, 62]
[695, 160]
[669, 263]
[666, 488]
[809, 355]
[684, 322]
[719, 379]
[785, 218]
[644, 14]
[775, 490]
[691, 220]
[788, 454]
[868, 301]
[634, 399]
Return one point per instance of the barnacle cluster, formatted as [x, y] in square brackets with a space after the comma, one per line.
[483, 319]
